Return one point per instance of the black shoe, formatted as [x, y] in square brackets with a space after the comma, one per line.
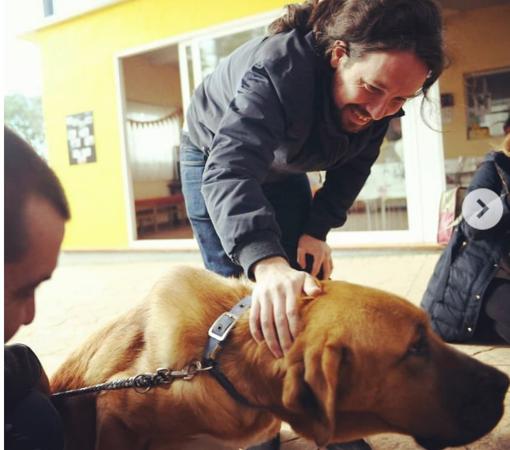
[273, 444]
[354, 445]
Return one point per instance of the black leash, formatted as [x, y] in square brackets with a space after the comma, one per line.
[141, 383]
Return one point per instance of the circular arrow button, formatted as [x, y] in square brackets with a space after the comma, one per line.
[482, 209]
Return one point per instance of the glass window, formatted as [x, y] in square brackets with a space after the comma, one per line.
[488, 100]
[69, 7]
[212, 51]
[382, 203]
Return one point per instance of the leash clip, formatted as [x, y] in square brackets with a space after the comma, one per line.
[189, 371]
[194, 368]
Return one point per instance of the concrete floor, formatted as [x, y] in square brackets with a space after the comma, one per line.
[88, 290]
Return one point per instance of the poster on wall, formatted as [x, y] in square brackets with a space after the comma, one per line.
[80, 138]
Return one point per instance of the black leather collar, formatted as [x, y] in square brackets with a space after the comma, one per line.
[218, 333]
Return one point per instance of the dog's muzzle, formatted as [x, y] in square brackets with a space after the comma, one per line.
[477, 410]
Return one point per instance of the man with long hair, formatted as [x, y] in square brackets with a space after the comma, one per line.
[316, 93]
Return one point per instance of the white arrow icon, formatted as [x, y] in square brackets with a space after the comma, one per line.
[482, 209]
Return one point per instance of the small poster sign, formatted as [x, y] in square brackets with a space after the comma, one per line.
[80, 138]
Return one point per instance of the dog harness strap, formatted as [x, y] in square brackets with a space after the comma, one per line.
[218, 333]
[229, 387]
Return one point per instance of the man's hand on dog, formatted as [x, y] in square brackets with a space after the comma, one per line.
[273, 314]
[314, 256]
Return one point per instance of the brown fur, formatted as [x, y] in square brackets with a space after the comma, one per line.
[355, 369]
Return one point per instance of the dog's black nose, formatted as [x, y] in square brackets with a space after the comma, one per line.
[493, 380]
[482, 409]
[430, 444]
[503, 381]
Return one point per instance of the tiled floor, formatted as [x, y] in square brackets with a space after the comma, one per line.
[89, 290]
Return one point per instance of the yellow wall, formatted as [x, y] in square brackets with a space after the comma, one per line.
[478, 40]
[78, 69]
[151, 84]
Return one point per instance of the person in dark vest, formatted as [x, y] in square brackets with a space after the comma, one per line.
[35, 211]
[468, 296]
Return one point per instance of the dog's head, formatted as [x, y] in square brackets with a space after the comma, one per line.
[368, 362]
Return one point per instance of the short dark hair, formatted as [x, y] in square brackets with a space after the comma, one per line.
[372, 25]
[25, 174]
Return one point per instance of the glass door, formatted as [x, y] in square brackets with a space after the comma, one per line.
[198, 57]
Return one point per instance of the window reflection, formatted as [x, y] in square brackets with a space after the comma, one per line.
[212, 51]
[382, 203]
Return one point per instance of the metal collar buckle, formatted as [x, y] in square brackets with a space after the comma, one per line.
[222, 325]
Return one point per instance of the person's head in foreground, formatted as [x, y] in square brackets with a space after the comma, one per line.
[35, 211]
[383, 52]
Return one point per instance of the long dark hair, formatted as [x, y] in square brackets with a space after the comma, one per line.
[372, 25]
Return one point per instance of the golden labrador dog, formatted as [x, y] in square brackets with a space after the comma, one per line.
[365, 362]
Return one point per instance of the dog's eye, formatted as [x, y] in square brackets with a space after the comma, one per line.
[419, 348]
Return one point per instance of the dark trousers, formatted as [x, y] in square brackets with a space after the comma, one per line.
[290, 198]
[494, 321]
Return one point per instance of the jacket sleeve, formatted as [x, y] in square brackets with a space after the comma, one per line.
[23, 372]
[341, 187]
[487, 176]
[239, 160]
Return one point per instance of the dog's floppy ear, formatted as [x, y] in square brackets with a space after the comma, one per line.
[310, 389]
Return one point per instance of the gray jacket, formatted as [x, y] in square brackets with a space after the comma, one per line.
[264, 113]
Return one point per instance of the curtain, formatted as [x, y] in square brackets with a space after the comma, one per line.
[153, 148]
